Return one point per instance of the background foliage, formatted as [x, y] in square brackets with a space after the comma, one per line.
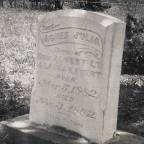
[133, 56]
[17, 46]
[17, 54]
[33, 4]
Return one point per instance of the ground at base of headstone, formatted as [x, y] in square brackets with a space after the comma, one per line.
[21, 131]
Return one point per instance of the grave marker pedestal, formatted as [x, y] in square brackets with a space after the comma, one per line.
[21, 131]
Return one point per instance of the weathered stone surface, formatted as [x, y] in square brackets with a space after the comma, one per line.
[78, 71]
[21, 131]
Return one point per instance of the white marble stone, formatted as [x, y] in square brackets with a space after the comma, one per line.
[78, 72]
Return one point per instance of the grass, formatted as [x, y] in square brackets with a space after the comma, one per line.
[131, 104]
[17, 46]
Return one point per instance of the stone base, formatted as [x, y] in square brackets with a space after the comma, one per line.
[21, 131]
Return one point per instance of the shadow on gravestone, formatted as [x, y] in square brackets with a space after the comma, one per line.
[69, 134]
[65, 132]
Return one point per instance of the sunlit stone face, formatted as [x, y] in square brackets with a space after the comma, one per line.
[74, 73]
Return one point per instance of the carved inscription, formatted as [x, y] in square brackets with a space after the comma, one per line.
[68, 110]
[69, 91]
[72, 35]
[69, 59]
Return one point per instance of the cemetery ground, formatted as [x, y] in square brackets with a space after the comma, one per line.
[17, 63]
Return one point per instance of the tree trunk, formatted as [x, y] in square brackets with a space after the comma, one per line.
[15, 3]
[59, 4]
[1, 3]
[37, 4]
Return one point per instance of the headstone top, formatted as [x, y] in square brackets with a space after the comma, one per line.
[94, 16]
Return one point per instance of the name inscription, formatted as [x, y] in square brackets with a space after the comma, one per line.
[72, 35]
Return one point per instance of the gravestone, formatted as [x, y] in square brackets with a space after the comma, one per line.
[78, 72]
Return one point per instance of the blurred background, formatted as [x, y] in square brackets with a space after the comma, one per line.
[17, 54]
